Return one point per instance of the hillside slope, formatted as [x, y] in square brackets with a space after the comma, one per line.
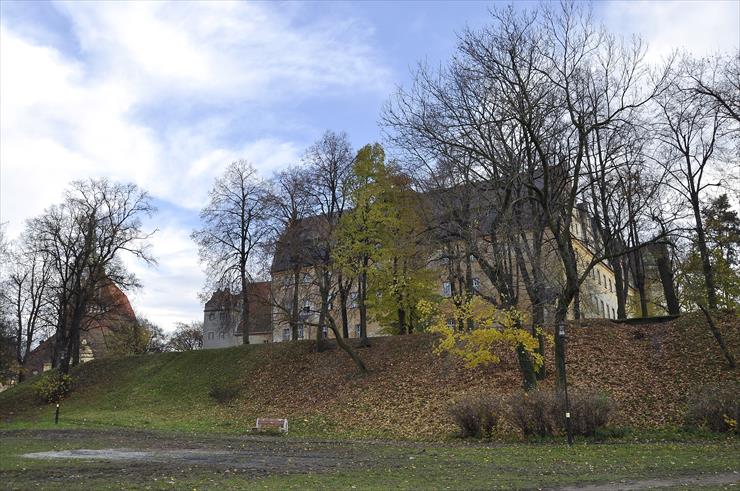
[650, 369]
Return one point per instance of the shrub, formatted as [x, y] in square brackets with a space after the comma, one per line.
[542, 413]
[53, 387]
[534, 412]
[477, 416]
[223, 393]
[716, 408]
[590, 411]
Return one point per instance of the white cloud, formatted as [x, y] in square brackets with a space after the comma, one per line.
[226, 50]
[701, 27]
[170, 292]
[99, 111]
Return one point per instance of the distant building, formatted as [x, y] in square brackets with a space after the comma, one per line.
[108, 315]
[298, 255]
[222, 317]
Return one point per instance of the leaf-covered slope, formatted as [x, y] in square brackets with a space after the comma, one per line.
[650, 369]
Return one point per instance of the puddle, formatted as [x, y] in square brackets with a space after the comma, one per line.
[102, 454]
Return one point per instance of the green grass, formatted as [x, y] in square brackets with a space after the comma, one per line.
[168, 391]
[392, 466]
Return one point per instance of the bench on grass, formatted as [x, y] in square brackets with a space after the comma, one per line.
[271, 424]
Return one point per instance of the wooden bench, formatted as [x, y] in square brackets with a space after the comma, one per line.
[271, 424]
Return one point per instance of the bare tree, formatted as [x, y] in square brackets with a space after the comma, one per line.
[187, 337]
[692, 134]
[524, 99]
[233, 227]
[717, 79]
[82, 240]
[25, 294]
[289, 205]
[329, 163]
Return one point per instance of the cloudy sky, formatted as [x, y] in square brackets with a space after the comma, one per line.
[167, 94]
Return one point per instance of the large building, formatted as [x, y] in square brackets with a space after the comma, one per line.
[222, 326]
[296, 260]
[299, 258]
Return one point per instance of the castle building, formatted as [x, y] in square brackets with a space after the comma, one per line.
[222, 317]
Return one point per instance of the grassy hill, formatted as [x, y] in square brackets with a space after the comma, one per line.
[651, 370]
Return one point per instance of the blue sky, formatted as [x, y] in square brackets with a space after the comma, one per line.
[167, 94]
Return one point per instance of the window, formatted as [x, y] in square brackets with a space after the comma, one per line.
[476, 283]
[447, 289]
[451, 323]
[598, 276]
[210, 335]
[306, 278]
[211, 316]
[603, 310]
[300, 331]
[222, 335]
[286, 334]
[324, 332]
[610, 284]
[614, 314]
[353, 300]
[358, 330]
[307, 306]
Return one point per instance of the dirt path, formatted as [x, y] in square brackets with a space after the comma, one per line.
[688, 482]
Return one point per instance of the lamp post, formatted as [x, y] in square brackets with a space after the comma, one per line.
[568, 426]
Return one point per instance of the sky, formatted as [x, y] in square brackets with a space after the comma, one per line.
[166, 95]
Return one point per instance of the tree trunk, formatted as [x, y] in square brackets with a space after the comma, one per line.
[701, 241]
[718, 336]
[245, 308]
[362, 296]
[619, 288]
[346, 347]
[665, 271]
[529, 377]
[402, 321]
[343, 288]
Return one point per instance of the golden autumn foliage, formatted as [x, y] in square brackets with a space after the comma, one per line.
[477, 331]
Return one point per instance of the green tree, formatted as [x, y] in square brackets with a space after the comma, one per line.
[400, 278]
[722, 226]
[359, 232]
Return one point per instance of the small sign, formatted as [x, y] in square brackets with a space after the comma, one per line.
[567, 415]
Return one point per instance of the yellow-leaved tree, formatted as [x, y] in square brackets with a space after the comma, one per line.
[479, 333]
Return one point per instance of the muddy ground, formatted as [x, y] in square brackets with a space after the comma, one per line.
[115, 458]
[138, 457]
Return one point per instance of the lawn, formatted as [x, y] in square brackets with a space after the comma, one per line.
[187, 461]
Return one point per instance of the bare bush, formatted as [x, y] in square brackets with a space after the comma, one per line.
[542, 413]
[716, 408]
[534, 412]
[477, 416]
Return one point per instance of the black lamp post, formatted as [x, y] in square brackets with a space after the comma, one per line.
[568, 426]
